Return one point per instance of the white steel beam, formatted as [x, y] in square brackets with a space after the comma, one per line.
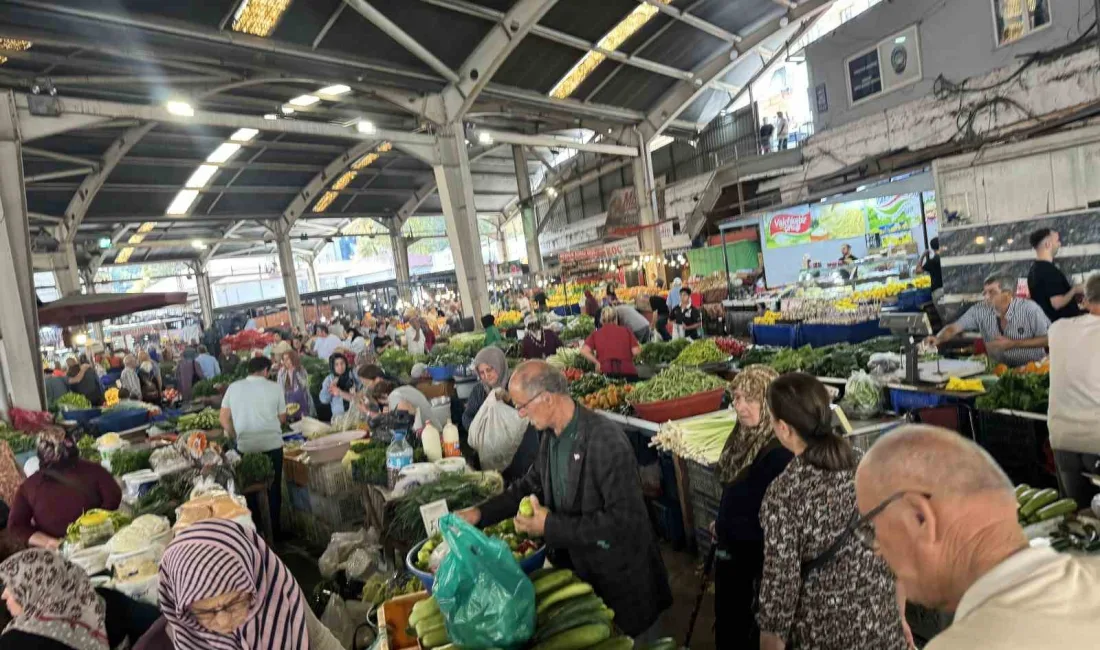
[676, 100]
[456, 195]
[391, 29]
[93, 182]
[316, 186]
[694, 21]
[20, 372]
[105, 109]
[559, 143]
[490, 54]
[59, 157]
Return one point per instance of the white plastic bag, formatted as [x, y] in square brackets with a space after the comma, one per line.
[496, 433]
[338, 621]
[340, 548]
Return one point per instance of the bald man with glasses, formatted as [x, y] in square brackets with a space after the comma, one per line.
[942, 514]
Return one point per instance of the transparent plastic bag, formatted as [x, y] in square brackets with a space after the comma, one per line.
[862, 396]
[496, 433]
[340, 548]
[338, 621]
[486, 599]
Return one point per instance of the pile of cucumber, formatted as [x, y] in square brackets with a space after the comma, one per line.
[570, 615]
[426, 624]
[1034, 505]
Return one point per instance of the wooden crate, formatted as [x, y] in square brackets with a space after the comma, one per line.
[393, 617]
[294, 470]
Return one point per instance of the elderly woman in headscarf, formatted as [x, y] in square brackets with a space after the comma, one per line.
[222, 587]
[188, 372]
[64, 487]
[492, 369]
[338, 389]
[750, 461]
[129, 379]
[539, 343]
[52, 603]
[673, 299]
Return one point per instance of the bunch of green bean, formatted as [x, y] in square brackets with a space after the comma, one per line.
[676, 381]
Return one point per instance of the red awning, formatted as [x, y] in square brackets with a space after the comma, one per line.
[81, 309]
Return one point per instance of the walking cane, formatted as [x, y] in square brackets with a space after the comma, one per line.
[707, 567]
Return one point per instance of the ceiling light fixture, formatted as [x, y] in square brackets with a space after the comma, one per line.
[259, 17]
[337, 89]
[287, 109]
[270, 116]
[244, 135]
[304, 100]
[224, 152]
[182, 203]
[198, 244]
[201, 176]
[365, 126]
[181, 108]
[12, 45]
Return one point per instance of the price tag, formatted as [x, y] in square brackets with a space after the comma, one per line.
[431, 513]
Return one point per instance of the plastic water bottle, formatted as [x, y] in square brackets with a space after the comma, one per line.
[399, 455]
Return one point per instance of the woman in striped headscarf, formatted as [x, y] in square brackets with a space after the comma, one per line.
[222, 587]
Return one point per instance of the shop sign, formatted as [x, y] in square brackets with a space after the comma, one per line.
[622, 209]
[789, 227]
[628, 246]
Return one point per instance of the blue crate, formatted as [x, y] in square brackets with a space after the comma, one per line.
[784, 336]
[818, 336]
[865, 331]
[81, 416]
[904, 401]
[913, 299]
[441, 373]
[120, 421]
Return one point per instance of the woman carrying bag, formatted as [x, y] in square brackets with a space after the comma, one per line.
[338, 389]
[294, 381]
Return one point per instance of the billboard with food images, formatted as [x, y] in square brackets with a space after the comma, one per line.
[788, 227]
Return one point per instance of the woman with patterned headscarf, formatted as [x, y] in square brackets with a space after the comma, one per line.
[63, 488]
[750, 461]
[52, 603]
[222, 587]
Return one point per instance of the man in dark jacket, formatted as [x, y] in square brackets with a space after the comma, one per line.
[594, 520]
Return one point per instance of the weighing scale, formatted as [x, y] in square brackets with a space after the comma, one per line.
[913, 328]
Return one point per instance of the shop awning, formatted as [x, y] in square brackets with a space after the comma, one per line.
[81, 309]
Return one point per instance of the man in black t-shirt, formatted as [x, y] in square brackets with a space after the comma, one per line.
[687, 317]
[930, 263]
[1048, 286]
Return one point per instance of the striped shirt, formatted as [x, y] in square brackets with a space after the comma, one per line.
[1025, 320]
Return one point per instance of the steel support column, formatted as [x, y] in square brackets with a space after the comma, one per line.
[649, 239]
[19, 361]
[456, 194]
[314, 282]
[290, 279]
[206, 296]
[527, 208]
[89, 284]
[401, 264]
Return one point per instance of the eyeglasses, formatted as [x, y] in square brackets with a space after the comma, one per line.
[864, 527]
[238, 606]
[523, 407]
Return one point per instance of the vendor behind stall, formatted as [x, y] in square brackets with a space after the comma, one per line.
[612, 348]
[595, 519]
[64, 487]
[1014, 329]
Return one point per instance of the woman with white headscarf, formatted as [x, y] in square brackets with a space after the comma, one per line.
[673, 300]
[129, 377]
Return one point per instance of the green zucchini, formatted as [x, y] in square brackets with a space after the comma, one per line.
[616, 643]
[570, 608]
[1057, 509]
[1042, 498]
[426, 627]
[547, 584]
[667, 643]
[577, 638]
[565, 593]
[539, 573]
[563, 623]
[423, 609]
[1020, 489]
[1026, 495]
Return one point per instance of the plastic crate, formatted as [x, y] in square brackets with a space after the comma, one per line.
[81, 416]
[336, 511]
[704, 511]
[863, 441]
[818, 336]
[330, 479]
[903, 400]
[784, 336]
[682, 407]
[298, 498]
[441, 373]
[119, 421]
[1020, 445]
[913, 299]
[702, 480]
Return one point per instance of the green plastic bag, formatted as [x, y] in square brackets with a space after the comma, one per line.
[486, 599]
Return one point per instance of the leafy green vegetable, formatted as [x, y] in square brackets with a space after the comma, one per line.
[588, 383]
[125, 461]
[658, 352]
[579, 328]
[370, 467]
[676, 381]
[254, 468]
[205, 419]
[403, 521]
[18, 442]
[445, 355]
[208, 387]
[74, 401]
[862, 395]
[86, 447]
[394, 361]
[466, 343]
[1017, 392]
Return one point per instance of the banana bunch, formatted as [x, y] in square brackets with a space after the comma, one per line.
[769, 318]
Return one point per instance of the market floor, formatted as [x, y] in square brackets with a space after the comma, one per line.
[683, 571]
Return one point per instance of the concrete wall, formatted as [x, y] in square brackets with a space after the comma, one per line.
[957, 40]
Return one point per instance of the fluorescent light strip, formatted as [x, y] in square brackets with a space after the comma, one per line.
[304, 100]
[337, 89]
[326, 200]
[13, 45]
[243, 135]
[626, 28]
[201, 176]
[124, 255]
[147, 226]
[182, 203]
[223, 153]
[259, 17]
[344, 179]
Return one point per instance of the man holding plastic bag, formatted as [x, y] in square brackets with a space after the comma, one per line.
[594, 520]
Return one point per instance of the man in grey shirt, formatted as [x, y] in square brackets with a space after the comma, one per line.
[1014, 329]
[633, 320]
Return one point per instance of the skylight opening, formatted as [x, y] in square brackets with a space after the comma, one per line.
[259, 17]
[182, 203]
[12, 45]
[223, 153]
[325, 201]
[243, 135]
[201, 176]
